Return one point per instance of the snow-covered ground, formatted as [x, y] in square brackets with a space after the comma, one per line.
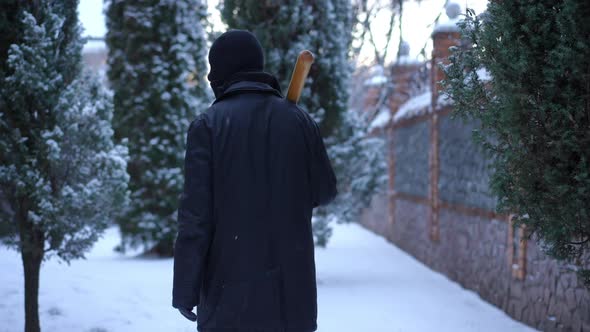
[365, 284]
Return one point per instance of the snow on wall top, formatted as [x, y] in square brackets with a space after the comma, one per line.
[447, 26]
[407, 60]
[443, 100]
[453, 10]
[418, 105]
[376, 80]
[381, 120]
[377, 76]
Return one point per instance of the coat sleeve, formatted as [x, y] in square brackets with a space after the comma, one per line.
[194, 217]
[323, 180]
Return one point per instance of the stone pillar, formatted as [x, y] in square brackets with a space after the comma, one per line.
[402, 72]
[373, 87]
[371, 97]
[444, 36]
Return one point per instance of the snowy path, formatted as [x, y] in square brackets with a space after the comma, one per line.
[365, 285]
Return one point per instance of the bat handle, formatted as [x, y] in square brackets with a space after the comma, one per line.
[304, 62]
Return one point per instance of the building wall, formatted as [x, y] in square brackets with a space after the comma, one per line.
[440, 210]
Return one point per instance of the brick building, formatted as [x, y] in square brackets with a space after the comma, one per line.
[439, 209]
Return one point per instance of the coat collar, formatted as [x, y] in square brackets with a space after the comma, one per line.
[243, 82]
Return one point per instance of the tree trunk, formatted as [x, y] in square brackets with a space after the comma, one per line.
[32, 241]
[32, 267]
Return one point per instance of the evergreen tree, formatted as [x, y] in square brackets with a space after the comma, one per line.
[157, 68]
[62, 179]
[537, 110]
[285, 28]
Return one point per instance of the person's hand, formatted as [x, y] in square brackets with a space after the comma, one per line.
[188, 314]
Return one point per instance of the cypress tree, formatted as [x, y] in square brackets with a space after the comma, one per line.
[285, 28]
[536, 109]
[62, 179]
[157, 68]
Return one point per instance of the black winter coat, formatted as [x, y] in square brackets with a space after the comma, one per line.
[255, 167]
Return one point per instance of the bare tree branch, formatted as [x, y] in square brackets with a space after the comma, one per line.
[390, 30]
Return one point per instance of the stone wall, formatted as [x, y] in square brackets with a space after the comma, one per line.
[464, 171]
[411, 173]
[374, 217]
[439, 181]
[474, 245]
[473, 251]
[551, 298]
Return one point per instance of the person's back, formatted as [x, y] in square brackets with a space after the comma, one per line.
[255, 168]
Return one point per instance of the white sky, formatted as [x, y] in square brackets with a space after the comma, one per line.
[417, 27]
[92, 18]
[416, 20]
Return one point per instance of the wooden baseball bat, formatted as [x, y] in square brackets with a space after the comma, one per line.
[300, 72]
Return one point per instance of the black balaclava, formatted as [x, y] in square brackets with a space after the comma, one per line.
[233, 52]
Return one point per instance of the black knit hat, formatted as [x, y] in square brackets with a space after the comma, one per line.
[232, 52]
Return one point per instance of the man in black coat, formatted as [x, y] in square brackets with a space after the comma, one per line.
[255, 167]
